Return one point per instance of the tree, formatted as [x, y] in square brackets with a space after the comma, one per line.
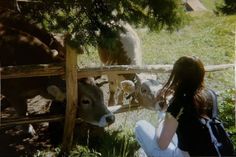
[229, 7]
[89, 21]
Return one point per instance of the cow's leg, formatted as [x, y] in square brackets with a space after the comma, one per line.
[112, 79]
[120, 96]
[116, 92]
[4, 103]
[111, 101]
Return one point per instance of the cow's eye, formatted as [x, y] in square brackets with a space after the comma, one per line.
[143, 90]
[86, 101]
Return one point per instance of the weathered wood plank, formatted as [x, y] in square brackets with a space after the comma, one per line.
[58, 69]
[71, 98]
[122, 69]
[8, 122]
[127, 69]
[124, 108]
[220, 67]
[32, 70]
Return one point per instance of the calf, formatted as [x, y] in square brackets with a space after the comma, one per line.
[91, 109]
[145, 91]
[19, 47]
[90, 102]
[127, 51]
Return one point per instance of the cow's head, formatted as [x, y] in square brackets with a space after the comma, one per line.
[91, 107]
[146, 92]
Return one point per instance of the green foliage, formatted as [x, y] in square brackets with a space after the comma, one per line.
[228, 7]
[83, 151]
[226, 108]
[117, 144]
[113, 144]
[120, 143]
[232, 133]
[227, 112]
[88, 21]
[50, 152]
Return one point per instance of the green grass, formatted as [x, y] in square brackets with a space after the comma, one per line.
[211, 4]
[207, 36]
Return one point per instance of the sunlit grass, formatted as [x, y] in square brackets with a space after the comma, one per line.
[207, 36]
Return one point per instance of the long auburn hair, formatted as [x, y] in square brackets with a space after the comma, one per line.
[187, 78]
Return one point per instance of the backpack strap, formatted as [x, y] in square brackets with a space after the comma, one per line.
[213, 138]
[215, 110]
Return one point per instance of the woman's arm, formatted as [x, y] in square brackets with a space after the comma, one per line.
[168, 131]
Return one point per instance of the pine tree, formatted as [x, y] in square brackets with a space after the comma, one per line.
[91, 20]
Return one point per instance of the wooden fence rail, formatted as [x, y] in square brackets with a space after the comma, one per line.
[127, 69]
[32, 70]
[8, 122]
[59, 69]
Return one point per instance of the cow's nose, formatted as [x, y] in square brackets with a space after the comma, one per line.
[110, 119]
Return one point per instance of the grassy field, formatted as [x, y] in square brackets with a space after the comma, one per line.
[207, 36]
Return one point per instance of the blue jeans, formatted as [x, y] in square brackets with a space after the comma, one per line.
[146, 136]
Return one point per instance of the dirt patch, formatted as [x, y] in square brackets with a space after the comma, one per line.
[15, 142]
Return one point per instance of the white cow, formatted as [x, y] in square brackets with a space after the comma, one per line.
[145, 90]
[127, 52]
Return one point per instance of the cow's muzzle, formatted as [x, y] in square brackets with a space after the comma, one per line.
[106, 120]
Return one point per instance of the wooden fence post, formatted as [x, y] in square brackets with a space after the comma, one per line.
[72, 98]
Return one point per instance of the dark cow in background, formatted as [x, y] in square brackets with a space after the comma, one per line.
[27, 44]
[16, 24]
[127, 51]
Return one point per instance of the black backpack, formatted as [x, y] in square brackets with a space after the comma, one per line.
[219, 138]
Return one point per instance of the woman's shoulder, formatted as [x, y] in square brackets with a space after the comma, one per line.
[209, 96]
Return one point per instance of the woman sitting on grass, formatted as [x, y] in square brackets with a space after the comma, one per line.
[190, 101]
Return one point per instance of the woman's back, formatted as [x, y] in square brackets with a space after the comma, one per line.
[191, 136]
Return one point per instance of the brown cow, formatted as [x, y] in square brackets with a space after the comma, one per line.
[127, 52]
[20, 47]
[14, 20]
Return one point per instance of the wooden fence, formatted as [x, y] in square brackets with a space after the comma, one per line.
[70, 72]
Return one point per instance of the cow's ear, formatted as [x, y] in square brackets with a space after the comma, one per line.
[127, 86]
[56, 93]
